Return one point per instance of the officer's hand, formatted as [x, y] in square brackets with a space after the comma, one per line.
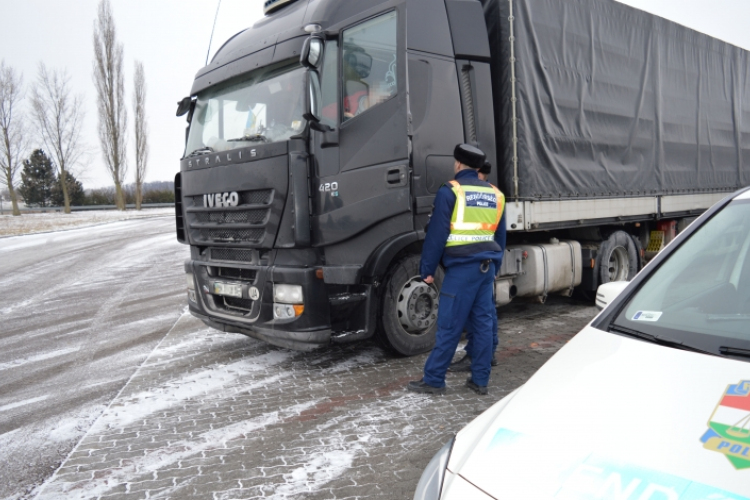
[429, 280]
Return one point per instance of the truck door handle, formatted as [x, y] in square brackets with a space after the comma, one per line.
[394, 176]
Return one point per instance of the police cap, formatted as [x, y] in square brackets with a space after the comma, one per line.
[469, 155]
[486, 168]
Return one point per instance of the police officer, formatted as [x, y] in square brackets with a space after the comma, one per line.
[464, 364]
[466, 232]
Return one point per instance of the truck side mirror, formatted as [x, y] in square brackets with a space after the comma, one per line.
[183, 106]
[312, 113]
[312, 52]
[313, 97]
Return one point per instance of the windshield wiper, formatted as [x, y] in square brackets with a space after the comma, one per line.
[656, 339]
[250, 138]
[728, 317]
[201, 151]
[734, 351]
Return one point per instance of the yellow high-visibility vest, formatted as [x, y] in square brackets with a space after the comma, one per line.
[476, 215]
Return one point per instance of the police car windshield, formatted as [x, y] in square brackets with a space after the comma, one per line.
[261, 107]
[701, 294]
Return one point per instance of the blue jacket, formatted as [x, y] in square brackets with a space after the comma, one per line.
[434, 251]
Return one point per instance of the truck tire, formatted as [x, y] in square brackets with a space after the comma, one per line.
[617, 258]
[408, 308]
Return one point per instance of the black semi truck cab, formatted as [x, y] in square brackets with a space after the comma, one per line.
[318, 139]
[304, 213]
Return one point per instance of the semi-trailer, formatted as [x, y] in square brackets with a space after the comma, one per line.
[318, 138]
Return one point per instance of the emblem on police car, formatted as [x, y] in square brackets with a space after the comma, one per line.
[729, 426]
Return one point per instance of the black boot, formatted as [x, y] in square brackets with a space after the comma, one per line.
[479, 389]
[422, 387]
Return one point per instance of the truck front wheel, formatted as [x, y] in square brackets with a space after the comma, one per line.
[409, 306]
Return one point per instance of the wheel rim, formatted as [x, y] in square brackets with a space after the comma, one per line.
[619, 264]
[417, 306]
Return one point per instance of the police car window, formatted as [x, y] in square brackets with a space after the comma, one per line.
[704, 286]
[369, 64]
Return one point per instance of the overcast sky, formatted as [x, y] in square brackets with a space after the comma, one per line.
[171, 38]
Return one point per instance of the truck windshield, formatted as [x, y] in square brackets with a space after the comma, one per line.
[264, 106]
[701, 294]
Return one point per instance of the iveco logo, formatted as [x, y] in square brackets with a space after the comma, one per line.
[221, 199]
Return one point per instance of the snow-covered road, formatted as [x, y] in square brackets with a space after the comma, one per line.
[109, 389]
[79, 311]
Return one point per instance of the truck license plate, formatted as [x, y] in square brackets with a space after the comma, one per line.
[228, 289]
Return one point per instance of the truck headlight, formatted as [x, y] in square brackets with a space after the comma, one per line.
[191, 287]
[431, 483]
[287, 294]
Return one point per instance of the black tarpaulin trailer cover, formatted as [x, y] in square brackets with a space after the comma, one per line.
[614, 102]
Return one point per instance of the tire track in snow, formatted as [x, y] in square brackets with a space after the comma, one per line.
[101, 265]
[62, 296]
[41, 489]
[126, 410]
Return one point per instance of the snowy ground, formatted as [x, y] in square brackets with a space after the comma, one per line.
[109, 389]
[80, 311]
[30, 223]
[219, 416]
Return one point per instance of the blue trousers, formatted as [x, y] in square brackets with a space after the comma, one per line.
[470, 336]
[466, 298]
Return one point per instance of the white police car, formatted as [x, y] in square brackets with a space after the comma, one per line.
[651, 401]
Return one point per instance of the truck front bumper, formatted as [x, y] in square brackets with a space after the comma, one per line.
[252, 313]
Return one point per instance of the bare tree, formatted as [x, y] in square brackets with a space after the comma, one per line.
[109, 80]
[59, 116]
[13, 140]
[141, 131]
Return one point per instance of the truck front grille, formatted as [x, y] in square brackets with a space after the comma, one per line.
[231, 303]
[234, 254]
[237, 274]
[243, 224]
[256, 197]
[243, 217]
[242, 306]
[259, 197]
[230, 235]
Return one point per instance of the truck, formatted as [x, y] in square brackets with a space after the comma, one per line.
[318, 138]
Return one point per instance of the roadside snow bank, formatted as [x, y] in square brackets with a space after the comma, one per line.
[30, 223]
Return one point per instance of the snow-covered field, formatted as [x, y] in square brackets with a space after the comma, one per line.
[30, 223]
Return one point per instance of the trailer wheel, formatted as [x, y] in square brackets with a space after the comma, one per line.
[408, 319]
[617, 258]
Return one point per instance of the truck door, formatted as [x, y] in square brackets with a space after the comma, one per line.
[363, 179]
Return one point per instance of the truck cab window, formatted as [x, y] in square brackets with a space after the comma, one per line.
[261, 107]
[369, 64]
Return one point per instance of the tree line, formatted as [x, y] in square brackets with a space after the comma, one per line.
[40, 186]
[57, 115]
